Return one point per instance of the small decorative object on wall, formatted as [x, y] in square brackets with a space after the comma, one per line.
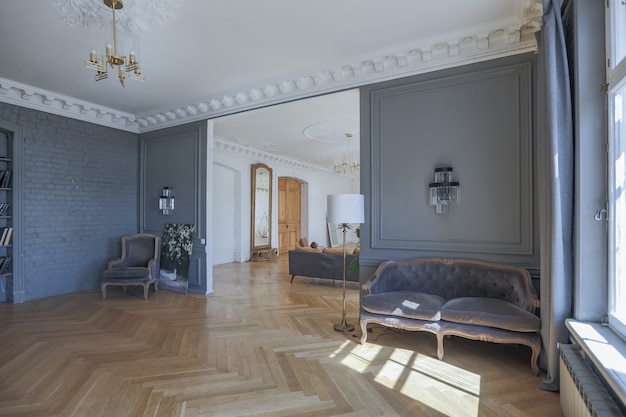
[444, 192]
[176, 246]
[166, 201]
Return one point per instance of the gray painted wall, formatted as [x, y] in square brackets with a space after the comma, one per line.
[177, 157]
[477, 119]
[79, 196]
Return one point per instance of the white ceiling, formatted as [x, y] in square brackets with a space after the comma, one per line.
[219, 57]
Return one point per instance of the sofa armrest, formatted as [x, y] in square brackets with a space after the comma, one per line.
[536, 303]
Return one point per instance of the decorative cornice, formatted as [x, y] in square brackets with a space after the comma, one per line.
[467, 50]
[412, 61]
[255, 154]
[38, 99]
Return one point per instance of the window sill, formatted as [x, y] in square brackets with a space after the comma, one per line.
[605, 349]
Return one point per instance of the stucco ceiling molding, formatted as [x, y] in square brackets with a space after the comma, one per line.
[30, 97]
[256, 154]
[469, 49]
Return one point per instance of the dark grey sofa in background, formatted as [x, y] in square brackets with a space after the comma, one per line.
[460, 297]
[317, 264]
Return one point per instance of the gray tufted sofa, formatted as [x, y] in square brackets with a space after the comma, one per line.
[461, 297]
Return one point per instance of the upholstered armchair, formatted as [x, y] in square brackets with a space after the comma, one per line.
[138, 265]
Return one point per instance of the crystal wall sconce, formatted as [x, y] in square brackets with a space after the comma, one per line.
[444, 192]
[166, 201]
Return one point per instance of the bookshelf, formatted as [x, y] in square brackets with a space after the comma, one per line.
[6, 207]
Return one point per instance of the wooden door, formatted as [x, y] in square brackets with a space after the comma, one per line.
[289, 213]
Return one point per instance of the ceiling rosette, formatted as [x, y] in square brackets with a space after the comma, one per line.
[138, 15]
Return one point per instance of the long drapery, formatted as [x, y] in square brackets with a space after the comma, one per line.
[555, 149]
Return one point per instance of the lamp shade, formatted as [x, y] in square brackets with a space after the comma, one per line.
[345, 208]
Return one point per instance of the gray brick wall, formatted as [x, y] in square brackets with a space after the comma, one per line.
[79, 194]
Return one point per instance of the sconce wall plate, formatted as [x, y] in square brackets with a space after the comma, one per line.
[444, 192]
[166, 201]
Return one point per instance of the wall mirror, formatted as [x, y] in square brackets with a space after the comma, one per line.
[261, 209]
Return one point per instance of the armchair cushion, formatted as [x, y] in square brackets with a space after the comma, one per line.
[126, 272]
[138, 250]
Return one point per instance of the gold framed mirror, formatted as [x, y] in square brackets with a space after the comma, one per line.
[261, 212]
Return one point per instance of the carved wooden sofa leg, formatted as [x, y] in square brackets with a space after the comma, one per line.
[534, 359]
[440, 338]
[363, 331]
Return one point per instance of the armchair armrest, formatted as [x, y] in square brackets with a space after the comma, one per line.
[115, 263]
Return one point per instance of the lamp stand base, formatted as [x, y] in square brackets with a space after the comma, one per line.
[343, 327]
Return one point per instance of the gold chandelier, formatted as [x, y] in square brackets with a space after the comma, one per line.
[349, 163]
[124, 65]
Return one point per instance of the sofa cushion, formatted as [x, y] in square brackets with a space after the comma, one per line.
[489, 312]
[306, 249]
[410, 304]
[334, 251]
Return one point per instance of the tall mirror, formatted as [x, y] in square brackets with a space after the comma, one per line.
[261, 212]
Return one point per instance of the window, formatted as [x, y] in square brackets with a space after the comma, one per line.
[616, 76]
[617, 32]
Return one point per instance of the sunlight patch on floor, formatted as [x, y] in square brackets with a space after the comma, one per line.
[359, 359]
[432, 382]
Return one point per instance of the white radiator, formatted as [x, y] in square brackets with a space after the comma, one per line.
[582, 392]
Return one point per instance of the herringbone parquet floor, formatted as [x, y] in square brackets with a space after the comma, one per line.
[258, 346]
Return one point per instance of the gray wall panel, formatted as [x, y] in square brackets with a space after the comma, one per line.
[170, 161]
[177, 157]
[476, 119]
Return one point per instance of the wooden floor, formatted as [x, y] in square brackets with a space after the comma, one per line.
[257, 346]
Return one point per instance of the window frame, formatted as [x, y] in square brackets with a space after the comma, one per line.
[616, 78]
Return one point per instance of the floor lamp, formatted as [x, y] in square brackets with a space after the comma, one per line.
[344, 209]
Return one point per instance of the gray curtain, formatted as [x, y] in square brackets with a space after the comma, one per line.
[555, 149]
